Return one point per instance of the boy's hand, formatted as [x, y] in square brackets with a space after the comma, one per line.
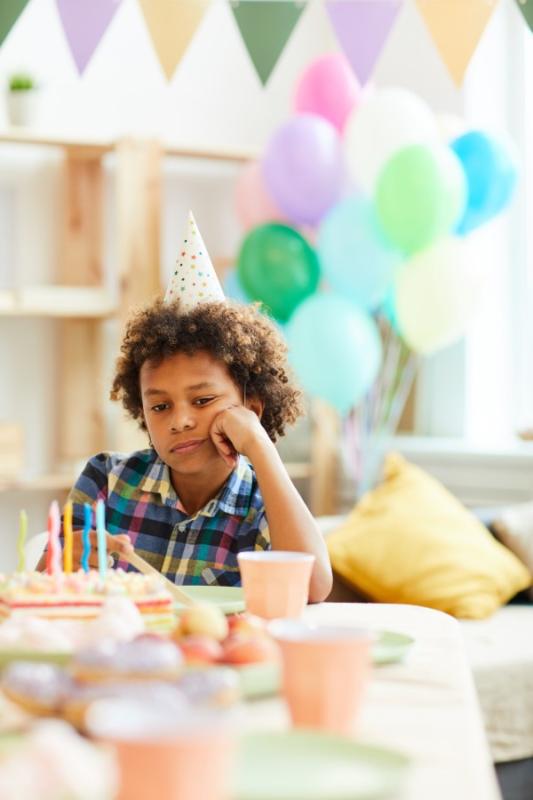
[235, 430]
[115, 544]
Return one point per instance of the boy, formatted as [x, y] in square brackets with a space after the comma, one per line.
[208, 382]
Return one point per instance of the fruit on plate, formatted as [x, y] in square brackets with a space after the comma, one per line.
[251, 649]
[246, 624]
[198, 648]
[204, 619]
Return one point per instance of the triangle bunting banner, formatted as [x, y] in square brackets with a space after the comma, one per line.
[10, 11]
[84, 25]
[362, 28]
[456, 26]
[526, 7]
[172, 24]
[265, 27]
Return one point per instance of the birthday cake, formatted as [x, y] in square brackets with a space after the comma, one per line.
[80, 595]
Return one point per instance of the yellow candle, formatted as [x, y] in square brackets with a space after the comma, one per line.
[67, 533]
[21, 543]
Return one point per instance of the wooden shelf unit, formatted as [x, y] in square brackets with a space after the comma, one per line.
[80, 301]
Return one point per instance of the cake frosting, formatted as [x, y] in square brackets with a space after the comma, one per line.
[81, 595]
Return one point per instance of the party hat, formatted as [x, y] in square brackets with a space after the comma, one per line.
[194, 279]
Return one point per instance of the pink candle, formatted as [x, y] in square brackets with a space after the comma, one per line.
[53, 561]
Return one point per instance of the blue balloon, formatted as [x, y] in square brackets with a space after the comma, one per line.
[357, 260]
[335, 349]
[491, 174]
[233, 289]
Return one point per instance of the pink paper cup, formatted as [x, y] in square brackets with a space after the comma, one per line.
[276, 582]
[183, 760]
[325, 671]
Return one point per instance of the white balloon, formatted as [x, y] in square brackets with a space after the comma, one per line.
[386, 121]
[436, 293]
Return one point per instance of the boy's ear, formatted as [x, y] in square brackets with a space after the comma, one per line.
[256, 405]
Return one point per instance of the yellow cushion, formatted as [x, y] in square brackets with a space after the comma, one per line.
[411, 541]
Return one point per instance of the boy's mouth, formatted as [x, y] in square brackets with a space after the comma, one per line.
[187, 447]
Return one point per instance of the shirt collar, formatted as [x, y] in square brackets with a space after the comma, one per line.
[233, 498]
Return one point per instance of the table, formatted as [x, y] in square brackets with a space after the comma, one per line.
[425, 707]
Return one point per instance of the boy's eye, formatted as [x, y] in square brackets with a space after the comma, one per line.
[202, 401]
[160, 407]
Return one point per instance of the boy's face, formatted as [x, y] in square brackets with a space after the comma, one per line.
[181, 397]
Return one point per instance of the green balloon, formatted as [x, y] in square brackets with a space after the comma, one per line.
[421, 194]
[278, 267]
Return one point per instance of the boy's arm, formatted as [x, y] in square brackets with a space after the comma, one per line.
[290, 523]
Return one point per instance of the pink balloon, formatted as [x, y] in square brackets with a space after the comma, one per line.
[328, 88]
[253, 204]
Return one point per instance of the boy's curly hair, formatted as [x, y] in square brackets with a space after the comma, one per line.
[239, 335]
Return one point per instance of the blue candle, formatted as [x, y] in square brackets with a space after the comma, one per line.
[101, 538]
[86, 536]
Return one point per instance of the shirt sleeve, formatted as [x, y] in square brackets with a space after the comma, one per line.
[90, 487]
[262, 541]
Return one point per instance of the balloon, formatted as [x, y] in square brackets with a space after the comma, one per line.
[233, 289]
[491, 175]
[385, 121]
[253, 204]
[328, 88]
[388, 309]
[335, 350]
[356, 258]
[437, 292]
[278, 267]
[303, 168]
[420, 196]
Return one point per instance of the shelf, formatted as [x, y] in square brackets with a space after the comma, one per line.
[84, 302]
[41, 483]
[90, 148]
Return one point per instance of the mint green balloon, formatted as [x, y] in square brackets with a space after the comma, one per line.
[420, 196]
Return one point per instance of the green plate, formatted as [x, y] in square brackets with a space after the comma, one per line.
[307, 765]
[7, 656]
[390, 647]
[230, 599]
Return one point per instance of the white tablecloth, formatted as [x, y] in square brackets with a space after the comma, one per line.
[425, 707]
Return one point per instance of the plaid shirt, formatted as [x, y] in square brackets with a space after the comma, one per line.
[140, 501]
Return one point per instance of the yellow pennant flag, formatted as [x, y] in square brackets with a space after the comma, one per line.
[456, 26]
[172, 24]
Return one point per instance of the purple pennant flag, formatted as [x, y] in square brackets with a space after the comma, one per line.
[84, 24]
[362, 28]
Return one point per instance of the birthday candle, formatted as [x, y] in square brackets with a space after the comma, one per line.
[100, 538]
[21, 542]
[54, 545]
[86, 536]
[67, 535]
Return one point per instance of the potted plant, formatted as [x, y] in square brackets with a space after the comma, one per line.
[22, 99]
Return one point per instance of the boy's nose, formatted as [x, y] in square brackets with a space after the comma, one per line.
[182, 421]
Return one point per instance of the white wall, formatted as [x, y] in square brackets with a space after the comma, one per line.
[214, 100]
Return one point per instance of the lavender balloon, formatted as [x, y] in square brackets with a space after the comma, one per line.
[303, 168]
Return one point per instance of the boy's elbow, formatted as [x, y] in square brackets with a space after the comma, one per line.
[321, 585]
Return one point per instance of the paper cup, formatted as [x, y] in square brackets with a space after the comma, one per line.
[275, 582]
[325, 671]
[182, 759]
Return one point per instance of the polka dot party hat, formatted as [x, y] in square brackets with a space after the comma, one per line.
[194, 279]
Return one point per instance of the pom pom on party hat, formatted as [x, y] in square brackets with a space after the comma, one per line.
[194, 279]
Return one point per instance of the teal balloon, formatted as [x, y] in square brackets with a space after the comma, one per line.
[233, 289]
[335, 349]
[388, 309]
[278, 267]
[357, 260]
[420, 195]
[491, 175]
